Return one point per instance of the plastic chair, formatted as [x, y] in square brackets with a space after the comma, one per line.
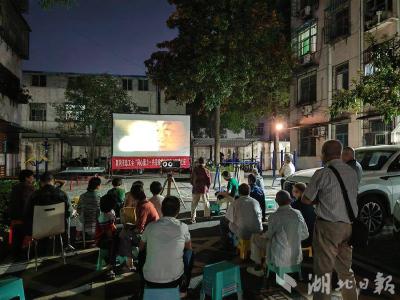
[11, 287]
[48, 221]
[220, 280]
[161, 294]
[308, 250]
[102, 259]
[244, 248]
[280, 271]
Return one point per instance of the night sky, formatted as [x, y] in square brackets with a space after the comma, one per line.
[95, 36]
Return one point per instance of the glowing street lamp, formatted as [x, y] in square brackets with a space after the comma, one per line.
[278, 127]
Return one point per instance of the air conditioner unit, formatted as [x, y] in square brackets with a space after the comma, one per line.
[307, 110]
[318, 131]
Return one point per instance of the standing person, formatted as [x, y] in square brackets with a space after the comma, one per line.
[119, 193]
[48, 194]
[20, 199]
[307, 211]
[287, 169]
[88, 208]
[259, 179]
[333, 227]
[156, 189]
[201, 181]
[169, 256]
[349, 157]
[257, 193]
[145, 210]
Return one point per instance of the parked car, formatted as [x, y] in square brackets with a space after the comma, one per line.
[379, 187]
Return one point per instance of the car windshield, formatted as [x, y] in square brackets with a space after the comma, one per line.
[372, 160]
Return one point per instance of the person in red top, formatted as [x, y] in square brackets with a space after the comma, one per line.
[201, 181]
[145, 210]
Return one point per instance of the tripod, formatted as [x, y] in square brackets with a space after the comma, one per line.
[169, 182]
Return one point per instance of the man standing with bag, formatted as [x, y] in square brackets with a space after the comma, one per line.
[333, 227]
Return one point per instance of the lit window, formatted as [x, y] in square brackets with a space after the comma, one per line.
[305, 40]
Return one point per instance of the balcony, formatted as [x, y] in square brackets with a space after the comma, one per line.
[378, 13]
[13, 28]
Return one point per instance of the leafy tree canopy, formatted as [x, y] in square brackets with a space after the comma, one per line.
[91, 100]
[232, 53]
[379, 89]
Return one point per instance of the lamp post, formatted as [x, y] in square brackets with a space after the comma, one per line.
[278, 128]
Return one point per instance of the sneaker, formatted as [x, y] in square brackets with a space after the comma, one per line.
[255, 272]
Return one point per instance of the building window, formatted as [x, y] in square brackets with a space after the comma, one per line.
[377, 132]
[305, 40]
[342, 134]
[337, 20]
[260, 129]
[127, 84]
[342, 77]
[143, 109]
[143, 84]
[37, 112]
[307, 146]
[39, 80]
[307, 90]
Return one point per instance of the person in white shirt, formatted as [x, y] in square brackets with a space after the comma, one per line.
[246, 215]
[287, 168]
[169, 256]
[156, 189]
[281, 243]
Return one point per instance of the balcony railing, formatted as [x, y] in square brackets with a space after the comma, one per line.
[13, 28]
[10, 86]
[376, 12]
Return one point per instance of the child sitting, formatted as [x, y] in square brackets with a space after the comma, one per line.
[156, 189]
[106, 230]
[127, 235]
[119, 193]
[307, 211]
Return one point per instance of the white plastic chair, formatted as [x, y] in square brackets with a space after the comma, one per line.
[48, 221]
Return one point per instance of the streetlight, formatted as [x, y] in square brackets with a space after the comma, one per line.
[278, 127]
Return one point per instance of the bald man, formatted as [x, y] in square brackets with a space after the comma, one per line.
[333, 228]
[349, 157]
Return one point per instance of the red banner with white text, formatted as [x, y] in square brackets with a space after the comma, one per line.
[151, 162]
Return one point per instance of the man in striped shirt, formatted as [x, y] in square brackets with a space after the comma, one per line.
[333, 228]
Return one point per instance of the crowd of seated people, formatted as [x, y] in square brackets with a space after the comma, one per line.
[151, 232]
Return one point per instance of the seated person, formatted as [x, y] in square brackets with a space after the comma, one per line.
[119, 192]
[156, 189]
[145, 210]
[127, 236]
[286, 230]
[106, 237]
[169, 257]
[88, 208]
[257, 193]
[246, 215]
[232, 187]
[307, 211]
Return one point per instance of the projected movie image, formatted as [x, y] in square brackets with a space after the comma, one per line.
[151, 137]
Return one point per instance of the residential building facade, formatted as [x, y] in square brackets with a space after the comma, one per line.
[14, 47]
[39, 115]
[330, 40]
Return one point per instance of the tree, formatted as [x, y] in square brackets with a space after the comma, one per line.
[230, 55]
[380, 89]
[91, 100]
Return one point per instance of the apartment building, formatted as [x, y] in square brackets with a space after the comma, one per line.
[14, 47]
[48, 89]
[330, 40]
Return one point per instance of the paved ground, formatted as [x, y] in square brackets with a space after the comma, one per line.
[79, 280]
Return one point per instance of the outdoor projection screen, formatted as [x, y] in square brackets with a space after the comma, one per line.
[142, 141]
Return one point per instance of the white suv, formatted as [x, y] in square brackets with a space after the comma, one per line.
[380, 184]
